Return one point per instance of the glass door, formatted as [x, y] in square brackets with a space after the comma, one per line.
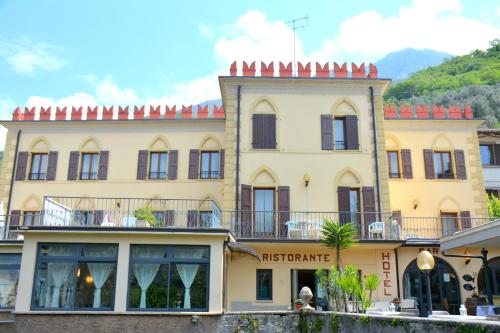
[264, 211]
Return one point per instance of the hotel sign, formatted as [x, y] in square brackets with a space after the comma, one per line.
[295, 257]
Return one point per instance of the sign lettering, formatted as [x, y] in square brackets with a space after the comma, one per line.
[295, 257]
[386, 270]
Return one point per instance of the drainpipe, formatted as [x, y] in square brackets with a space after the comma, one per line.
[238, 121]
[11, 189]
[377, 173]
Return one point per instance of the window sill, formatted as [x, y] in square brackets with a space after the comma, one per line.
[110, 312]
[264, 301]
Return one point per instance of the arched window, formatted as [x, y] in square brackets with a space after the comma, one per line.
[494, 267]
[264, 125]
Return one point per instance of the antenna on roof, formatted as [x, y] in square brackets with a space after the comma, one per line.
[297, 24]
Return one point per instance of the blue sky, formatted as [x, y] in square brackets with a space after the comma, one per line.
[135, 52]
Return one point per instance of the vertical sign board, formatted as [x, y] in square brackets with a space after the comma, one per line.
[386, 270]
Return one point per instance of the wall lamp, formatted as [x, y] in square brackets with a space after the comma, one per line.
[415, 203]
[306, 178]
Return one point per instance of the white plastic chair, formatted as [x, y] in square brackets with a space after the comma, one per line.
[376, 228]
[294, 230]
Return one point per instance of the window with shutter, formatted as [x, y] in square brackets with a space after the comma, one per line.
[39, 162]
[460, 164]
[393, 161]
[406, 163]
[326, 132]
[90, 166]
[443, 165]
[103, 165]
[344, 205]
[429, 164]
[142, 165]
[264, 131]
[172, 164]
[192, 221]
[209, 165]
[52, 165]
[74, 156]
[22, 162]
[193, 163]
[465, 219]
[340, 136]
[158, 165]
[487, 154]
[246, 207]
[496, 153]
[351, 125]
[369, 213]
[222, 157]
[284, 210]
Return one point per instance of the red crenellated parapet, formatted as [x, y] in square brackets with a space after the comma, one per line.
[340, 72]
[29, 113]
[17, 114]
[233, 70]
[61, 113]
[358, 72]
[154, 112]
[454, 112]
[422, 111]
[286, 71]
[123, 113]
[438, 112]
[107, 112]
[390, 111]
[202, 111]
[218, 112]
[304, 71]
[45, 113]
[468, 114]
[405, 111]
[373, 72]
[139, 112]
[187, 112]
[322, 71]
[76, 114]
[248, 70]
[170, 112]
[267, 71]
[92, 112]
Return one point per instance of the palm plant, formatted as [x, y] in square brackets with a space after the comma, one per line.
[371, 282]
[338, 236]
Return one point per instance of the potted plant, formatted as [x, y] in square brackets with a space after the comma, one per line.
[145, 217]
[298, 304]
[397, 303]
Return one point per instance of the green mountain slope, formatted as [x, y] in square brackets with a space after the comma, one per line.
[472, 79]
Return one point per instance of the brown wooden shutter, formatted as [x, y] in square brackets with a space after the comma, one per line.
[222, 157]
[326, 132]
[496, 153]
[102, 173]
[246, 207]
[465, 219]
[396, 215]
[368, 207]
[192, 219]
[74, 157]
[172, 164]
[429, 164]
[98, 217]
[270, 131]
[22, 163]
[406, 163]
[168, 215]
[460, 164]
[52, 165]
[351, 136]
[194, 157]
[284, 210]
[257, 131]
[344, 204]
[264, 131]
[142, 165]
[15, 217]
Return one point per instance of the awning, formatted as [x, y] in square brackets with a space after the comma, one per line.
[484, 236]
[242, 248]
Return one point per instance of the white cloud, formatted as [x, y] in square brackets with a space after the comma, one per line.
[108, 92]
[26, 57]
[206, 30]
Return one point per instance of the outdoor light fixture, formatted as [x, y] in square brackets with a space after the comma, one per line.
[306, 178]
[425, 262]
[467, 254]
[415, 203]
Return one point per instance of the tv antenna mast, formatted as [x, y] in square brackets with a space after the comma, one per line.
[297, 24]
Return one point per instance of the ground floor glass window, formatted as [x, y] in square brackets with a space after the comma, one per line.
[173, 278]
[9, 276]
[75, 276]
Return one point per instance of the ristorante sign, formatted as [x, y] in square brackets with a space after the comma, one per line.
[295, 257]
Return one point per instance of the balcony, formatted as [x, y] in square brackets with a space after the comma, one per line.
[202, 215]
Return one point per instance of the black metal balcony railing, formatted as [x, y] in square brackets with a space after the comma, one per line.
[88, 175]
[158, 175]
[209, 174]
[394, 175]
[37, 176]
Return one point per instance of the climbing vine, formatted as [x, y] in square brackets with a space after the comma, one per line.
[305, 323]
[468, 328]
[248, 323]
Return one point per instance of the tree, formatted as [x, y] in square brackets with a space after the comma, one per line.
[493, 206]
[338, 237]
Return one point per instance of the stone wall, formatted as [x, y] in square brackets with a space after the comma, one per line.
[279, 322]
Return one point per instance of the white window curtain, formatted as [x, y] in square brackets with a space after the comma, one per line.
[145, 273]
[8, 281]
[187, 272]
[58, 274]
[100, 271]
[406, 286]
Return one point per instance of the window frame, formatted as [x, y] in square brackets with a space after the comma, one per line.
[263, 270]
[32, 214]
[441, 159]
[455, 216]
[265, 145]
[39, 173]
[210, 153]
[95, 155]
[393, 175]
[11, 267]
[168, 260]
[335, 142]
[76, 259]
[158, 165]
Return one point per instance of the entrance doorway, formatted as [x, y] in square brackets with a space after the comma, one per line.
[307, 278]
[445, 288]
